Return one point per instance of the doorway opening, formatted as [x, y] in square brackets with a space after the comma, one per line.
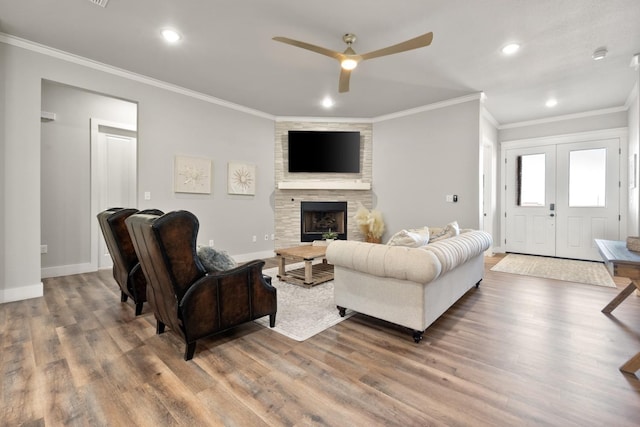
[71, 121]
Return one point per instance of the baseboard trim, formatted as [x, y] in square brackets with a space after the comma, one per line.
[254, 255]
[19, 294]
[66, 270]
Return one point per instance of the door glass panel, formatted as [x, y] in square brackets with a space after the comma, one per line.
[587, 178]
[531, 180]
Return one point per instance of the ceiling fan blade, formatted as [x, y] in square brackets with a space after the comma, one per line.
[321, 50]
[343, 86]
[414, 43]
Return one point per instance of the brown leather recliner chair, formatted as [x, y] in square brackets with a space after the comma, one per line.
[192, 302]
[126, 268]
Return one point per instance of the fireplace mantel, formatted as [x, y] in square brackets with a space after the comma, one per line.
[323, 185]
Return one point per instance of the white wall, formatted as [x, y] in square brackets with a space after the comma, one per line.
[489, 138]
[3, 160]
[633, 223]
[169, 123]
[21, 180]
[420, 158]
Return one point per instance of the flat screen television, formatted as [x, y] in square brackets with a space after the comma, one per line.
[324, 151]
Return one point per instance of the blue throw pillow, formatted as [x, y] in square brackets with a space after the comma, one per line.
[214, 260]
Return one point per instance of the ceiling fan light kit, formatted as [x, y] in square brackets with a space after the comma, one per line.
[349, 64]
[349, 59]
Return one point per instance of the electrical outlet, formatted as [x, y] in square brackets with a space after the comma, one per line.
[211, 243]
[255, 239]
[147, 195]
[44, 249]
[273, 237]
[266, 237]
[449, 198]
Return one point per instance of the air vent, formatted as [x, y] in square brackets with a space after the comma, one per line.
[101, 3]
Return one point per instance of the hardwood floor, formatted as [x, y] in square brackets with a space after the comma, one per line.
[517, 351]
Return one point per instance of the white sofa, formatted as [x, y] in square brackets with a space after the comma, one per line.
[411, 287]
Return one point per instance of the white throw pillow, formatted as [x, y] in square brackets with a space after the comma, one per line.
[413, 238]
[450, 230]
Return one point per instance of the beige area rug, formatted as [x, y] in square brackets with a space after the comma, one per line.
[590, 272]
[303, 312]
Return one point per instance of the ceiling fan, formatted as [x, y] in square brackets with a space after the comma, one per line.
[349, 59]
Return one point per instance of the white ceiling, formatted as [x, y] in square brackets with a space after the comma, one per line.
[227, 51]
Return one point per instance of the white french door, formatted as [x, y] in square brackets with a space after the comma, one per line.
[530, 200]
[560, 197]
[588, 197]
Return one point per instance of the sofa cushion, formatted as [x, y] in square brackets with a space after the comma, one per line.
[412, 238]
[397, 262]
[459, 249]
[214, 260]
[449, 230]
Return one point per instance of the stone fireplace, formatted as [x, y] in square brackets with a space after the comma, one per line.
[292, 189]
[317, 218]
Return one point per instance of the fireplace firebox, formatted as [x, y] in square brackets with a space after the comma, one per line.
[317, 218]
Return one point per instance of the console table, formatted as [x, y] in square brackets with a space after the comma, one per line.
[621, 262]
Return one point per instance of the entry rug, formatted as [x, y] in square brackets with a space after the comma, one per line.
[303, 312]
[590, 272]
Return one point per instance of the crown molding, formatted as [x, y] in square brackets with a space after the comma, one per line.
[323, 119]
[565, 138]
[565, 117]
[435, 106]
[85, 62]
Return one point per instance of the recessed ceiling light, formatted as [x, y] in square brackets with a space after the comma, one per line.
[327, 102]
[511, 48]
[599, 53]
[551, 102]
[170, 35]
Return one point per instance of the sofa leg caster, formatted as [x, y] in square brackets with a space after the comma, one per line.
[342, 311]
[139, 308]
[159, 327]
[478, 284]
[417, 336]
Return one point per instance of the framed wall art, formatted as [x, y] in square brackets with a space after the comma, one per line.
[241, 178]
[192, 175]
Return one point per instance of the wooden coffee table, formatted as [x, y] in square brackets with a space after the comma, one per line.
[309, 275]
